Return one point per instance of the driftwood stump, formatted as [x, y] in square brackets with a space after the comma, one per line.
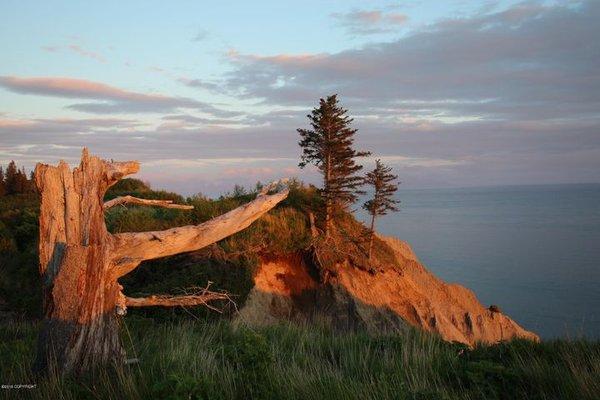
[81, 262]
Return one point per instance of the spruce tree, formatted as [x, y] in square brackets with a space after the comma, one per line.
[384, 186]
[12, 178]
[328, 146]
[22, 182]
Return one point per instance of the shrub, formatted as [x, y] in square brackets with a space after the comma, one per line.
[251, 356]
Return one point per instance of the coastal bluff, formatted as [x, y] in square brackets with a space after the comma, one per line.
[398, 294]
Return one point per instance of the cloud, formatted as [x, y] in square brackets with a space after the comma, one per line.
[192, 120]
[509, 96]
[363, 22]
[108, 99]
[64, 125]
[77, 49]
[86, 53]
[501, 97]
[443, 154]
[201, 35]
[420, 161]
[205, 159]
[514, 63]
[200, 83]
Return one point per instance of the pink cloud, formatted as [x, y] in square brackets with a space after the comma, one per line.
[291, 59]
[13, 123]
[68, 87]
[114, 100]
[366, 22]
[77, 49]
[369, 17]
[396, 18]
[86, 53]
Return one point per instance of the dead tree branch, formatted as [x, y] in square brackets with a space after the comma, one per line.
[145, 202]
[272, 186]
[81, 262]
[195, 297]
[171, 301]
[140, 246]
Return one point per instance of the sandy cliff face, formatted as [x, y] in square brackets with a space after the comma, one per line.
[399, 294]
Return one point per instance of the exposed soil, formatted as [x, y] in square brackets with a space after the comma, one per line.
[289, 287]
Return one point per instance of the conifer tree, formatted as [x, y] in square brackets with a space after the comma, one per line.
[328, 146]
[2, 186]
[22, 182]
[384, 186]
[12, 178]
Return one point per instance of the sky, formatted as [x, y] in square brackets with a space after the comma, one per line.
[210, 94]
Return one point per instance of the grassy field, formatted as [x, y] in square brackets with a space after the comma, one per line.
[201, 360]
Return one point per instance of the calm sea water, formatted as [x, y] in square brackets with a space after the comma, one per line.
[532, 250]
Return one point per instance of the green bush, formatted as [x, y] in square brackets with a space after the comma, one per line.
[251, 356]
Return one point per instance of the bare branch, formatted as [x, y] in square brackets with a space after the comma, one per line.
[272, 186]
[193, 296]
[145, 202]
[149, 245]
[170, 301]
[117, 170]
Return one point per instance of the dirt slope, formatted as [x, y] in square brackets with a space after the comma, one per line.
[288, 288]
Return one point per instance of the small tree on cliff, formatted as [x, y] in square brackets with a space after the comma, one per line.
[384, 186]
[328, 145]
[81, 262]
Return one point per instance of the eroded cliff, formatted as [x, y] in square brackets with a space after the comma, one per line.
[399, 292]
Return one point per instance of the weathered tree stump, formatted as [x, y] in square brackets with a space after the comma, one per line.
[81, 262]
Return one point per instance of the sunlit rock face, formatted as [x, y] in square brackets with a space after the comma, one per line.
[389, 299]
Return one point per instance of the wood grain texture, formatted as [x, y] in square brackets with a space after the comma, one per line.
[145, 202]
[80, 261]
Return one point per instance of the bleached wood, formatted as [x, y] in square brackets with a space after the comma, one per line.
[173, 301]
[80, 261]
[140, 246]
[117, 170]
[80, 328]
[272, 186]
[145, 202]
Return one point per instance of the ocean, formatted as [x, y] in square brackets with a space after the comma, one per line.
[532, 250]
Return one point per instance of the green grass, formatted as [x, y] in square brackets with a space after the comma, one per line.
[200, 360]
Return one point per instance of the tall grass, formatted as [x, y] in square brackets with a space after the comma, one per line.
[200, 360]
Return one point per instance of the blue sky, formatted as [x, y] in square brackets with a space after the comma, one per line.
[208, 94]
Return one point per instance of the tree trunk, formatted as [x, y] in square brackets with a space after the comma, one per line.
[80, 261]
[326, 187]
[371, 234]
[79, 328]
